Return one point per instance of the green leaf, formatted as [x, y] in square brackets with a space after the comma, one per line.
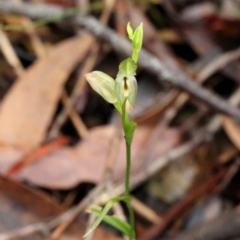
[104, 212]
[130, 31]
[127, 67]
[114, 221]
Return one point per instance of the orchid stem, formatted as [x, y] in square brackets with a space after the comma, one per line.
[127, 190]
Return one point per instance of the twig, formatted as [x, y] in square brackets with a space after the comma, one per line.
[218, 63]
[36, 42]
[122, 46]
[228, 177]
[10, 55]
[145, 211]
[75, 118]
[25, 231]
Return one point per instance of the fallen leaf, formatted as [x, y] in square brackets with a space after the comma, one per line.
[28, 108]
[69, 166]
[38, 153]
[21, 206]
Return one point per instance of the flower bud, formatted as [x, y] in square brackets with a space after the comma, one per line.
[130, 31]
[138, 38]
[126, 83]
[103, 84]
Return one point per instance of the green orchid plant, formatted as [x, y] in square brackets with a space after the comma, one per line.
[121, 93]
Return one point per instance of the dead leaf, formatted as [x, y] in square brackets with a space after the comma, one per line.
[85, 162]
[28, 108]
[21, 206]
[38, 153]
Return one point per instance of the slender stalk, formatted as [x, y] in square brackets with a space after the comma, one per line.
[127, 189]
[128, 167]
[126, 124]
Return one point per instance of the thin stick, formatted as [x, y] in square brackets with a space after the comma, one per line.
[10, 55]
[218, 63]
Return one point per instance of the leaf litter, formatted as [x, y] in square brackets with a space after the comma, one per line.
[68, 166]
[30, 106]
[41, 86]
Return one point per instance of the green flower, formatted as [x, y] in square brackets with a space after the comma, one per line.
[126, 83]
[103, 84]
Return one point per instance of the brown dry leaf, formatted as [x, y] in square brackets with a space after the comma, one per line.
[232, 129]
[85, 162]
[21, 206]
[28, 108]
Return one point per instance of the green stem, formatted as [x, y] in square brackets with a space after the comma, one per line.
[126, 124]
[128, 167]
[127, 190]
